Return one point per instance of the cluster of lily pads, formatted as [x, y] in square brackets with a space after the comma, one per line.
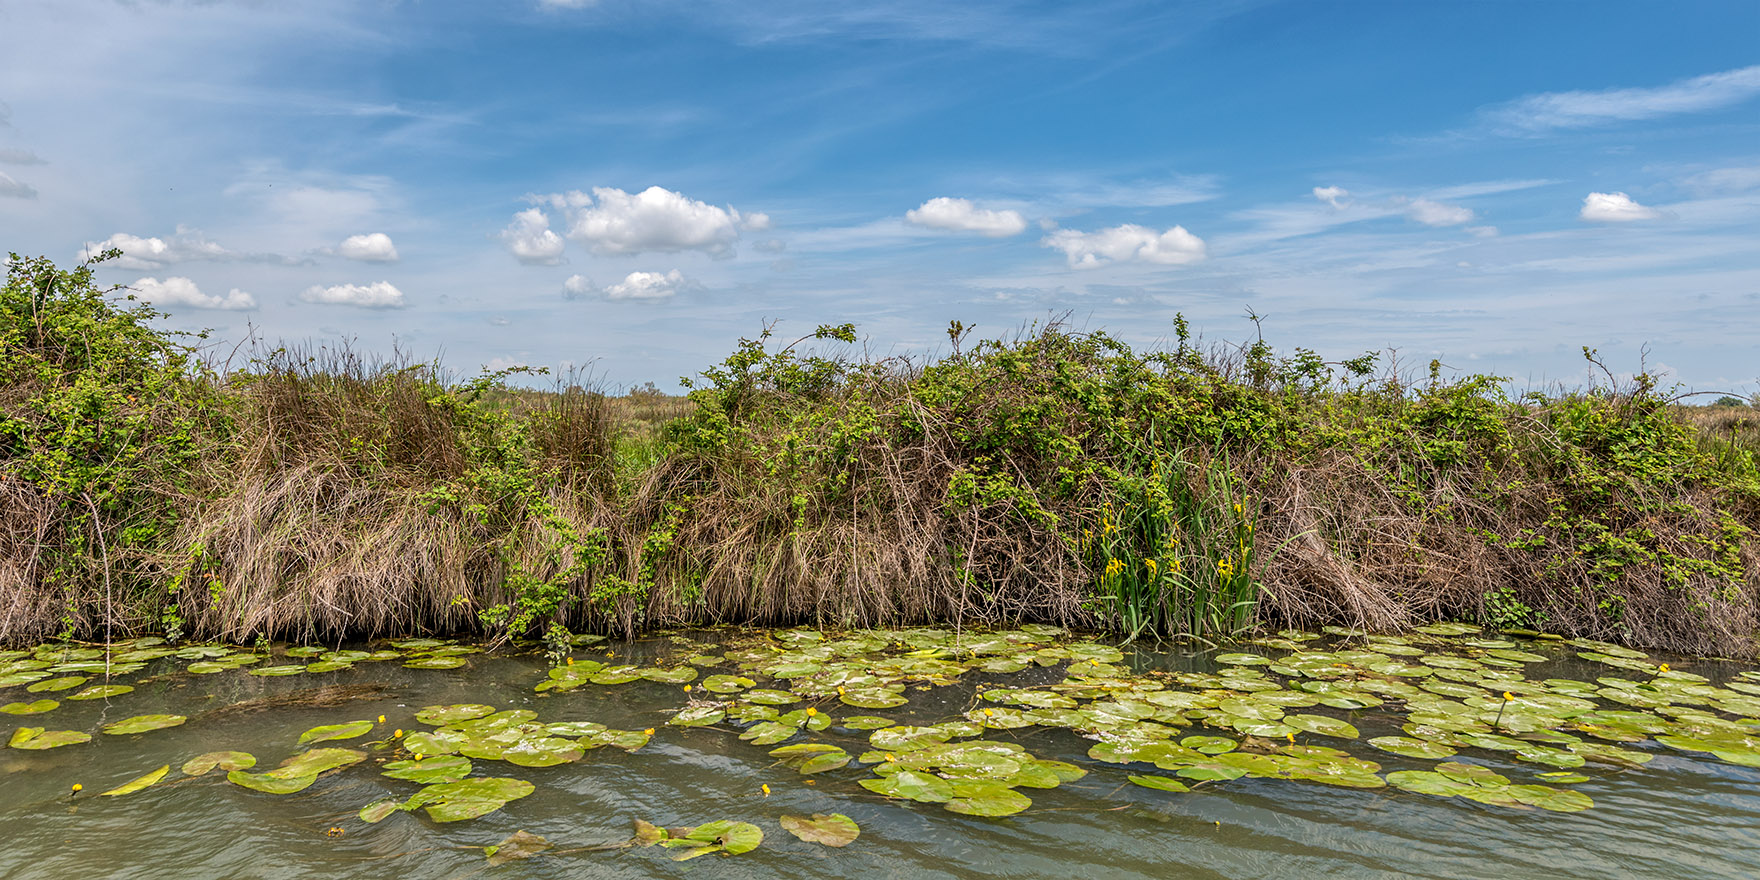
[1286, 709]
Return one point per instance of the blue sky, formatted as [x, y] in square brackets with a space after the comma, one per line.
[632, 185]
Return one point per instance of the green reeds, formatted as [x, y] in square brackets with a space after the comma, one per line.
[1176, 555]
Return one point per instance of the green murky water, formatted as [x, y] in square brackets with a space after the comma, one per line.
[1029, 753]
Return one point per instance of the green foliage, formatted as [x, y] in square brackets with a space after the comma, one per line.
[1176, 557]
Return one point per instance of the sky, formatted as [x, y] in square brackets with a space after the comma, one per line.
[628, 187]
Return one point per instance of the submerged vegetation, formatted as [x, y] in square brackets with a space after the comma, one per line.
[1055, 477]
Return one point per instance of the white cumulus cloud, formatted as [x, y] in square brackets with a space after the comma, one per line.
[1614, 207]
[962, 216]
[1432, 213]
[12, 188]
[634, 286]
[378, 295]
[180, 291]
[1129, 242]
[186, 246]
[374, 247]
[655, 220]
[531, 239]
[1331, 195]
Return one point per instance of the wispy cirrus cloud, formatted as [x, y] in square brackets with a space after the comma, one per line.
[1552, 111]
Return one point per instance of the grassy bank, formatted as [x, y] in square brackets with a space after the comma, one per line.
[1056, 476]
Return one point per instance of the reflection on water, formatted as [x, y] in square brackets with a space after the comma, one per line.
[1680, 815]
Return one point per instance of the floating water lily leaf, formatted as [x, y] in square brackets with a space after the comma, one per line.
[467, 798]
[278, 670]
[1412, 748]
[727, 684]
[1550, 757]
[518, 845]
[329, 666]
[379, 809]
[102, 691]
[769, 697]
[1563, 778]
[835, 829]
[989, 799]
[433, 663]
[268, 784]
[1449, 629]
[58, 684]
[544, 751]
[452, 714]
[766, 733]
[201, 764]
[1554, 799]
[917, 786]
[906, 738]
[1242, 659]
[307, 651]
[628, 740]
[317, 761]
[446, 768]
[439, 742]
[1209, 745]
[36, 707]
[1159, 783]
[327, 732]
[1426, 782]
[733, 838]
[143, 723]
[616, 675]
[698, 716]
[1323, 725]
[873, 698]
[811, 758]
[38, 738]
[676, 675]
[866, 722]
[137, 784]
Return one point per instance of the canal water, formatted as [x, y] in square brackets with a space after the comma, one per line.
[1271, 740]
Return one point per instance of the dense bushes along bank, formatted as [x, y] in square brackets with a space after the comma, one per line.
[1056, 476]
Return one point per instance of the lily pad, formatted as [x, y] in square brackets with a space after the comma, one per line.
[912, 784]
[200, 765]
[453, 714]
[698, 716]
[515, 847]
[809, 758]
[328, 732]
[434, 663]
[834, 829]
[1412, 748]
[989, 799]
[143, 723]
[272, 671]
[58, 684]
[733, 838]
[38, 738]
[137, 784]
[102, 691]
[268, 784]
[1159, 783]
[379, 809]
[446, 768]
[35, 707]
[1322, 724]
[467, 798]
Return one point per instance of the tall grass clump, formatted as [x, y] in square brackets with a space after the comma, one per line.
[1054, 475]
